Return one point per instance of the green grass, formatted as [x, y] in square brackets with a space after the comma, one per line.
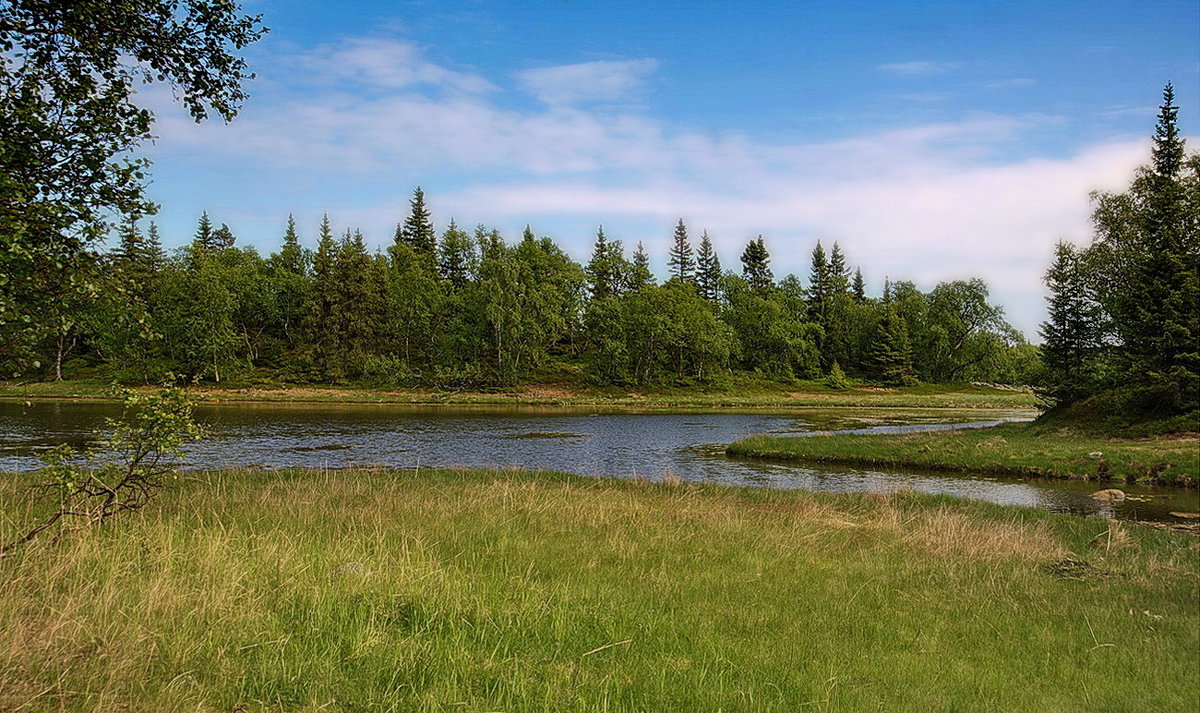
[512, 591]
[1007, 449]
[741, 393]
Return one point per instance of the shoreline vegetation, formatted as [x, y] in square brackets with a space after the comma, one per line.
[742, 394]
[524, 590]
[1011, 449]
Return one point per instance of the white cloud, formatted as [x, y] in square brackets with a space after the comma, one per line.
[600, 81]
[930, 202]
[917, 68]
[386, 64]
[1014, 83]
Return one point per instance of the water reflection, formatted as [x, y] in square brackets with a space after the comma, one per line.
[687, 445]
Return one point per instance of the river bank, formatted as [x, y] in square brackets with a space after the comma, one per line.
[511, 590]
[741, 394]
[1007, 449]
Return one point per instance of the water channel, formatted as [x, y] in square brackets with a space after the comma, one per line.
[687, 445]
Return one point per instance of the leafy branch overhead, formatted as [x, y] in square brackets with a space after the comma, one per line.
[70, 119]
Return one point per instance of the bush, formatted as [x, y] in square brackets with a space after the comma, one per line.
[837, 378]
[122, 472]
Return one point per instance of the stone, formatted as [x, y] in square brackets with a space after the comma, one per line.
[1109, 495]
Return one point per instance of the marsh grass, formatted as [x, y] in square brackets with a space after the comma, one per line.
[743, 392]
[1013, 449]
[445, 590]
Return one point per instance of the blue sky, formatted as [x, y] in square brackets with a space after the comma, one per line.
[934, 141]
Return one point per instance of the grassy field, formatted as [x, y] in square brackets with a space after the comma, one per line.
[1007, 449]
[740, 394]
[514, 591]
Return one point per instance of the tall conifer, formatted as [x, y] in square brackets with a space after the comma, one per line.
[756, 266]
[417, 230]
[708, 269]
[680, 259]
[640, 276]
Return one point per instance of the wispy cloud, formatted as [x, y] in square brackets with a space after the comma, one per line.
[931, 202]
[385, 64]
[918, 68]
[1014, 83]
[600, 81]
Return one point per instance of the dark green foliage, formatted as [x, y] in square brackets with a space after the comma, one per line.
[317, 323]
[708, 270]
[858, 287]
[458, 257]
[69, 76]
[490, 313]
[222, 238]
[679, 259]
[640, 275]
[836, 379]
[607, 270]
[1072, 332]
[1123, 312]
[962, 330]
[204, 232]
[774, 341]
[756, 266]
[665, 334]
[892, 350]
[290, 282]
[417, 231]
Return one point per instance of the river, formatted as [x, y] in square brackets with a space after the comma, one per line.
[686, 445]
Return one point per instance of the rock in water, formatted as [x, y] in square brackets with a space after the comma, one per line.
[1110, 495]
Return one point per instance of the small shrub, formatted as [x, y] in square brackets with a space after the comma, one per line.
[837, 378]
[122, 472]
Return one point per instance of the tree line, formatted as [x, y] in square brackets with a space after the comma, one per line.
[468, 308]
[1124, 311]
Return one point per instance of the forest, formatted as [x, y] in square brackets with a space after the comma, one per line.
[470, 309]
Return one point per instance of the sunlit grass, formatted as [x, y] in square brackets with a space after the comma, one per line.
[514, 591]
[742, 393]
[1015, 449]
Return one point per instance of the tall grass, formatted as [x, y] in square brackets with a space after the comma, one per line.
[1014, 449]
[510, 591]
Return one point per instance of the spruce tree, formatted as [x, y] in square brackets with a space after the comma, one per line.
[708, 270]
[680, 259]
[1148, 252]
[1072, 333]
[204, 232]
[291, 255]
[640, 276]
[319, 334]
[355, 304]
[858, 287]
[820, 300]
[756, 266]
[138, 256]
[891, 351]
[600, 268]
[456, 256]
[417, 231]
[490, 242]
[839, 274]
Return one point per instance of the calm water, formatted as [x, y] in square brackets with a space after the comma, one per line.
[687, 445]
